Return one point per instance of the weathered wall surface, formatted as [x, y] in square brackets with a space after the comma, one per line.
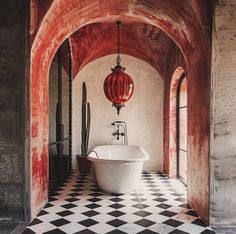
[143, 113]
[223, 143]
[198, 83]
[13, 56]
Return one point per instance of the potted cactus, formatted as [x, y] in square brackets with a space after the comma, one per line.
[83, 163]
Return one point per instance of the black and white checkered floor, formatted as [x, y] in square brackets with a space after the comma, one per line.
[157, 206]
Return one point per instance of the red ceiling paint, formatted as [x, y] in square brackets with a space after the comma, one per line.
[137, 39]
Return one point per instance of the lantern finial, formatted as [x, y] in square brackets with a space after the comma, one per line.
[118, 106]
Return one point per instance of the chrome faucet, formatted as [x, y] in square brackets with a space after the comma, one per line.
[117, 133]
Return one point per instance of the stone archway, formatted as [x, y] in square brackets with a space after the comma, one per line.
[63, 18]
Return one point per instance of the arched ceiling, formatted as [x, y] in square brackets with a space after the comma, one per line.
[52, 21]
[185, 21]
[140, 40]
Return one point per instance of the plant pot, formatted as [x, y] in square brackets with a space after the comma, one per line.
[84, 164]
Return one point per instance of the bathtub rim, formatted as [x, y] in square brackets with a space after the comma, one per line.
[94, 158]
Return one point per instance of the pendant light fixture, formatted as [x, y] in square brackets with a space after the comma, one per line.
[118, 86]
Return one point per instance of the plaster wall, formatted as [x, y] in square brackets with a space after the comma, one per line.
[223, 128]
[143, 113]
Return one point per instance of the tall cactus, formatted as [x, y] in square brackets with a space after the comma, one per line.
[85, 122]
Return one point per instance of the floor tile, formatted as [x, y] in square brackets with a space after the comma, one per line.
[185, 218]
[55, 231]
[168, 213]
[206, 231]
[28, 231]
[176, 231]
[42, 227]
[101, 228]
[116, 231]
[65, 213]
[161, 228]
[72, 228]
[88, 222]
[116, 213]
[131, 228]
[142, 213]
[69, 206]
[173, 222]
[90, 213]
[85, 231]
[199, 222]
[187, 227]
[35, 221]
[158, 205]
[116, 222]
[60, 222]
[145, 222]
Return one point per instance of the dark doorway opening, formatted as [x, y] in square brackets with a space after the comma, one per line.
[60, 117]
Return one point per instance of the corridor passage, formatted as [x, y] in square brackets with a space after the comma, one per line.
[157, 206]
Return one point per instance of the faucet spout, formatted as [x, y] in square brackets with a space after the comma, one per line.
[117, 133]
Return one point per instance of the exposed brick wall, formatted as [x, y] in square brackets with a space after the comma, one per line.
[12, 80]
[223, 152]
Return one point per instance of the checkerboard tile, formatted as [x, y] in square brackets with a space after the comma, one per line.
[158, 205]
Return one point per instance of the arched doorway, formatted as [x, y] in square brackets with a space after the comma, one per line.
[173, 130]
[60, 117]
[178, 126]
[59, 22]
[182, 133]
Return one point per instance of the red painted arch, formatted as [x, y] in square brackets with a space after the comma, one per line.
[178, 19]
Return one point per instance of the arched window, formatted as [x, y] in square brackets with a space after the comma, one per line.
[181, 133]
[178, 125]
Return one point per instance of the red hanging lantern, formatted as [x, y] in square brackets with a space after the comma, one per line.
[118, 86]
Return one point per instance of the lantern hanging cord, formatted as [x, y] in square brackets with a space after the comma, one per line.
[118, 59]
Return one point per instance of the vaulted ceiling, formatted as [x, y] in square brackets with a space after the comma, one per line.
[140, 40]
[185, 24]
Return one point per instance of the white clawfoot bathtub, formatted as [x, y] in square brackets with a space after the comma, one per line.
[118, 168]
